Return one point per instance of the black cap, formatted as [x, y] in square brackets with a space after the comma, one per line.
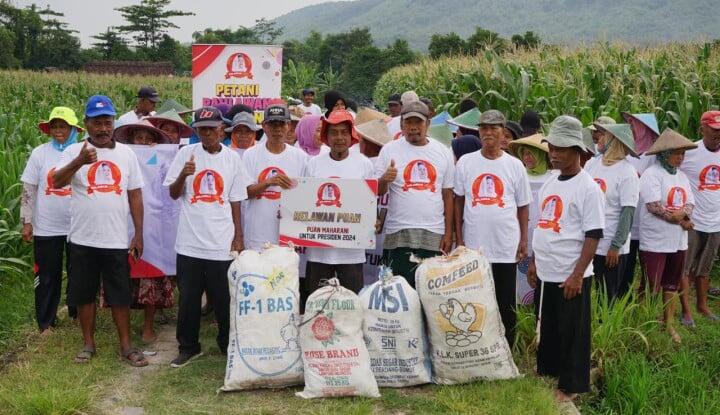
[150, 93]
[530, 122]
[308, 91]
[515, 129]
[394, 99]
[277, 113]
[207, 117]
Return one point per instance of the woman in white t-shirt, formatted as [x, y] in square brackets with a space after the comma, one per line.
[619, 182]
[666, 200]
[533, 153]
[45, 214]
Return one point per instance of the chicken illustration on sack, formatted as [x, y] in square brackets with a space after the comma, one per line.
[462, 318]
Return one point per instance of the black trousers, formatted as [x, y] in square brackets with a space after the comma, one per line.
[609, 279]
[628, 273]
[565, 336]
[505, 278]
[350, 276]
[48, 254]
[194, 276]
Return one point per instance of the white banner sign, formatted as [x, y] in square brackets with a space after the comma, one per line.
[237, 74]
[329, 213]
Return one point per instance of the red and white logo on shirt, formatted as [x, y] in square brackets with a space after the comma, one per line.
[552, 209]
[328, 194]
[104, 176]
[710, 178]
[676, 198]
[601, 183]
[51, 190]
[269, 173]
[419, 175]
[208, 186]
[488, 189]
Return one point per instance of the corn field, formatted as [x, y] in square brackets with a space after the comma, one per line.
[677, 82]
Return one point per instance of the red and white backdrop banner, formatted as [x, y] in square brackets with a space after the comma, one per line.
[237, 74]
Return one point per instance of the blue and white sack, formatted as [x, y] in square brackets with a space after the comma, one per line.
[264, 351]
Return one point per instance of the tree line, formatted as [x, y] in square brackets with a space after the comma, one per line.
[34, 38]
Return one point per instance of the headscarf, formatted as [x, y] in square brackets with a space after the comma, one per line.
[332, 97]
[541, 162]
[464, 145]
[614, 151]
[305, 133]
[72, 139]
[662, 158]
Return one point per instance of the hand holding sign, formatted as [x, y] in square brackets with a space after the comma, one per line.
[281, 180]
[189, 168]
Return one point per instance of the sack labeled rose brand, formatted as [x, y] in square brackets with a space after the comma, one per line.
[264, 351]
[467, 337]
[394, 332]
[334, 356]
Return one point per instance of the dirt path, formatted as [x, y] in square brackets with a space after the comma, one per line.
[121, 392]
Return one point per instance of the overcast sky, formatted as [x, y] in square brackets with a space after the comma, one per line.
[90, 17]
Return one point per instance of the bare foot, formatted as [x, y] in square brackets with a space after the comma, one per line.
[149, 337]
[47, 332]
[675, 336]
[561, 396]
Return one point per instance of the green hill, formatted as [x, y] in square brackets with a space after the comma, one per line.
[567, 21]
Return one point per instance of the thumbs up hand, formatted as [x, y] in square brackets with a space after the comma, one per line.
[189, 168]
[390, 173]
[87, 155]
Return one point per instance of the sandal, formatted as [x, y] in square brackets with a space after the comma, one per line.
[134, 358]
[85, 355]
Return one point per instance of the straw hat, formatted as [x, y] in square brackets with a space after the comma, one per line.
[535, 140]
[375, 131]
[122, 134]
[623, 132]
[366, 114]
[60, 113]
[296, 113]
[173, 117]
[670, 140]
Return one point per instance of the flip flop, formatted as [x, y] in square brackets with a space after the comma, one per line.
[134, 358]
[85, 355]
[687, 322]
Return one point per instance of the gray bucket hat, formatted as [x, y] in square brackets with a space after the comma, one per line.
[622, 132]
[243, 118]
[604, 120]
[566, 131]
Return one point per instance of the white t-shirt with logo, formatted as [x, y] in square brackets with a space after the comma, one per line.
[621, 186]
[493, 190]
[702, 168]
[672, 191]
[99, 208]
[313, 109]
[568, 209]
[416, 194]
[51, 215]
[355, 166]
[205, 227]
[536, 182]
[640, 164]
[262, 224]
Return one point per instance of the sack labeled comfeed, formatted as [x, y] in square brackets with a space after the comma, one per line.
[335, 359]
[394, 332]
[264, 351]
[467, 337]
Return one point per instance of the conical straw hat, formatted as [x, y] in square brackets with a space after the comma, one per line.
[670, 140]
[366, 114]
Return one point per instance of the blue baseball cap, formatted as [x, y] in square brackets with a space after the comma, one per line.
[98, 105]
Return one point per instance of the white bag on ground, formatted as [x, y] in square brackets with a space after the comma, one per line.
[264, 304]
[394, 332]
[467, 337]
[335, 359]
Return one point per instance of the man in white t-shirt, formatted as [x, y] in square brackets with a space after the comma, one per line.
[702, 167]
[45, 214]
[419, 175]
[270, 167]
[308, 105]
[98, 232]
[147, 99]
[209, 179]
[492, 199]
[564, 243]
[338, 132]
